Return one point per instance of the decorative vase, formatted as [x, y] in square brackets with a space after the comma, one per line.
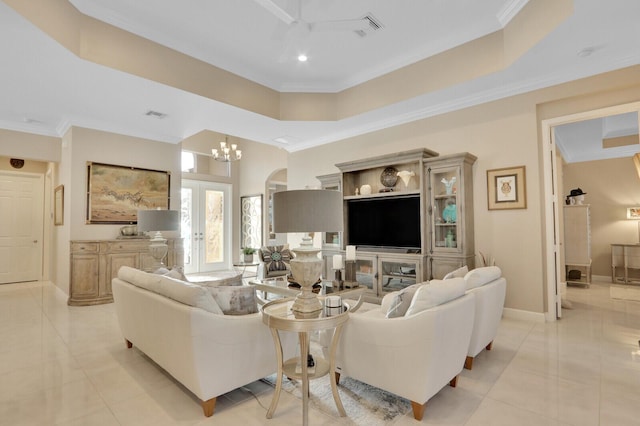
[406, 176]
[247, 258]
[448, 185]
[365, 190]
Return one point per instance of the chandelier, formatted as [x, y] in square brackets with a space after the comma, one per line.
[227, 153]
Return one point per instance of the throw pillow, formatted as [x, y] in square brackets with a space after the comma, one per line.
[176, 272]
[189, 294]
[401, 301]
[458, 273]
[276, 258]
[230, 278]
[481, 276]
[436, 293]
[235, 300]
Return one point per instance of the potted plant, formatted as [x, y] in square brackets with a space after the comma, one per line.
[247, 254]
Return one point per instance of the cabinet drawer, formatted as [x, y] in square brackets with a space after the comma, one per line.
[77, 247]
[129, 246]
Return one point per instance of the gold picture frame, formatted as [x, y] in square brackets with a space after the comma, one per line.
[116, 193]
[507, 188]
[58, 205]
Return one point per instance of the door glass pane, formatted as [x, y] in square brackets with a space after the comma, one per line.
[214, 226]
[186, 227]
[397, 275]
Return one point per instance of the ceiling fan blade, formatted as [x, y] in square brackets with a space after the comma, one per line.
[276, 11]
[340, 25]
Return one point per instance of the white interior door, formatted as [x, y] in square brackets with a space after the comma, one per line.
[206, 226]
[21, 227]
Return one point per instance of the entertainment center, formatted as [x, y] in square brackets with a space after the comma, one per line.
[409, 214]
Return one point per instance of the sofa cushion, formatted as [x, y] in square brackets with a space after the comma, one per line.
[401, 301]
[228, 278]
[139, 278]
[276, 258]
[458, 273]
[481, 276]
[235, 300]
[436, 293]
[189, 294]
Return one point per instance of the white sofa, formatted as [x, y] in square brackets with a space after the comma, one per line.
[174, 323]
[413, 355]
[489, 288]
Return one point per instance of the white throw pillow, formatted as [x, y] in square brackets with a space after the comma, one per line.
[436, 293]
[458, 273]
[481, 276]
[176, 272]
[221, 279]
[401, 301]
[189, 294]
[235, 300]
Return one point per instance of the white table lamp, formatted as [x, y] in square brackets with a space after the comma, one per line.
[307, 210]
[157, 221]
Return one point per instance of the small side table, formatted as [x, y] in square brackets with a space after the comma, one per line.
[242, 267]
[279, 317]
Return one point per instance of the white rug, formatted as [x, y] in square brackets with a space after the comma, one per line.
[364, 404]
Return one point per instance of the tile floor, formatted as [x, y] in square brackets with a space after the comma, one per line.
[63, 365]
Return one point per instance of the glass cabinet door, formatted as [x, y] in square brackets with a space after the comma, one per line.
[396, 275]
[445, 208]
[366, 274]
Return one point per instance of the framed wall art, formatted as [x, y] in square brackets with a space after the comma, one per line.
[58, 205]
[506, 188]
[116, 193]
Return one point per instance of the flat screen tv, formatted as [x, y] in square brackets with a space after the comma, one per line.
[385, 222]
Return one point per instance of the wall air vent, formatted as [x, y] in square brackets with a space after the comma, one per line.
[374, 25]
[155, 114]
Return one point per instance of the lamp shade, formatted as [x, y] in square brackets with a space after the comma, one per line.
[307, 210]
[158, 220]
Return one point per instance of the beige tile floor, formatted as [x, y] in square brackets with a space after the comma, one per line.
[63, 365]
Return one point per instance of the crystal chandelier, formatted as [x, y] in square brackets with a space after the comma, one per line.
[227, 153]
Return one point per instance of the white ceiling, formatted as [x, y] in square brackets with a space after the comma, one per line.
[45, 89]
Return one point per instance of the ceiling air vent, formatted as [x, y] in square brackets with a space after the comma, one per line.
[155, 114]
[374, 25]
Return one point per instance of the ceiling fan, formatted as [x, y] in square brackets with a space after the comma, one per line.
[301, 27]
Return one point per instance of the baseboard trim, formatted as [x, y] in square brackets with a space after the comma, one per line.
[519, 314]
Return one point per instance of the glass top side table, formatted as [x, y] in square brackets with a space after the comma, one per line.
[279, 317]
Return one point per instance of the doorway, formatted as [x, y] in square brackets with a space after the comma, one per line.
[21, 229]
[206, 226]
[554, 199]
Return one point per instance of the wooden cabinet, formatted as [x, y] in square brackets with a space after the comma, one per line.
[450, 208]
[577, 244]
[429, 231]
[95, 263]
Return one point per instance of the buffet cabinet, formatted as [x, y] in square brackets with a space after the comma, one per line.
[94, 263]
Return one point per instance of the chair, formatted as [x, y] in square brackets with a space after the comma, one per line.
[274, 262]
[412, 356]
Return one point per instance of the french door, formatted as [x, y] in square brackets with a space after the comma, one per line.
[206, 226]
[21, 226]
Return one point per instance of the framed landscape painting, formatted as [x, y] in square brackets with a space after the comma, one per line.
[116, 193]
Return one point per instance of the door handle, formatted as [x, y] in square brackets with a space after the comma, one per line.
[35, 241]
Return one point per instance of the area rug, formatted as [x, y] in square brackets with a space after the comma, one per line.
[364, 404]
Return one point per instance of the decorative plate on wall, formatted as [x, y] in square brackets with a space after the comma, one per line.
[388, 178]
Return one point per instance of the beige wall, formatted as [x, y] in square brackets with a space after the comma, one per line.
[504, 133]
[611, 187]
[29, 146]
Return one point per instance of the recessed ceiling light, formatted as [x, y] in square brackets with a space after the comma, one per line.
[302, 57]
